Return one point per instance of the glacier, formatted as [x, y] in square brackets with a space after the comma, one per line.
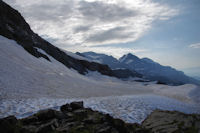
[29, 84]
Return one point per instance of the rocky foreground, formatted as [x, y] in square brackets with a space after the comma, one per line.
[74, 118]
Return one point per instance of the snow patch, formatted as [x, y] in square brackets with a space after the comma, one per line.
[76, 56]
[129, 61]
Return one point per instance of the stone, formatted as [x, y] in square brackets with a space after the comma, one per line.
[171, 121]
[65, 108]
[76, 105]
[44, 115]
[48, 127]
[29, 120]
[104, 129]
[8, 124]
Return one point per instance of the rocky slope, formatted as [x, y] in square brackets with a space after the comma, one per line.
[74, 118]
[13, 26]
[172, 122]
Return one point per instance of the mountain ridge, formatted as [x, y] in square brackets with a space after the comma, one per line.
[149, 68]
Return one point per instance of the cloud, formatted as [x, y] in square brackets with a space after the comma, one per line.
[195, 45]
[82, 28]
[92, 23]
[105, 12]
[109, 36]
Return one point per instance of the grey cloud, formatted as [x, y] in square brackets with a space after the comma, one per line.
[114, 33]
[10, 1]
[82, 28]
[48, 12]
[93, 23]
[104, 12]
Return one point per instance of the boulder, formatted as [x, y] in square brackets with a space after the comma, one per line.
[172, 121]
[76, 105]
[48, 127]
[44, 115]
[65, 108]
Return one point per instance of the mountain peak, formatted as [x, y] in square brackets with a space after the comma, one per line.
[128, 56]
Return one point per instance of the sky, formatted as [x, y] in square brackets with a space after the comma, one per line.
[167, 31]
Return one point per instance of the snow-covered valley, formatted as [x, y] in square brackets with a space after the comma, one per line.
[28, 84]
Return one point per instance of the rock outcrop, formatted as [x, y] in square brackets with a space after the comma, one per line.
[73, 118]
[172, 122]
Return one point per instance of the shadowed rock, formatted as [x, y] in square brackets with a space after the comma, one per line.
[172, 122]
[73, 118]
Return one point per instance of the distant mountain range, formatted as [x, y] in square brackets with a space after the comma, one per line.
[145, 66]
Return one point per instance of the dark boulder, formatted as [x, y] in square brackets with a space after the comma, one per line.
[76, 105]
[44, 115]
[8, 124]
[172, 122]
[65, 108]
[29, 120]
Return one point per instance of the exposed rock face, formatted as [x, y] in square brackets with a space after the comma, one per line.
[73, 118]
[172, 122]
[125, 73]
[118, 68]
[13, 26]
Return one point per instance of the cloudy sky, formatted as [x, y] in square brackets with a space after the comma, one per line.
[167, 31]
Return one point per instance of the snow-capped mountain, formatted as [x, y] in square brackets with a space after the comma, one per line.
[155, 71]
[145, 66]
[103, 59]
[112, 62]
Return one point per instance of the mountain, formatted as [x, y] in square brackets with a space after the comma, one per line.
[103, 59]
[155, 71]
[145, 66]
[13, 26]
[112, 62]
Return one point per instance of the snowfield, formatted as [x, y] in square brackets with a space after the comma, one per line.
[131, 109]
[28, 84]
